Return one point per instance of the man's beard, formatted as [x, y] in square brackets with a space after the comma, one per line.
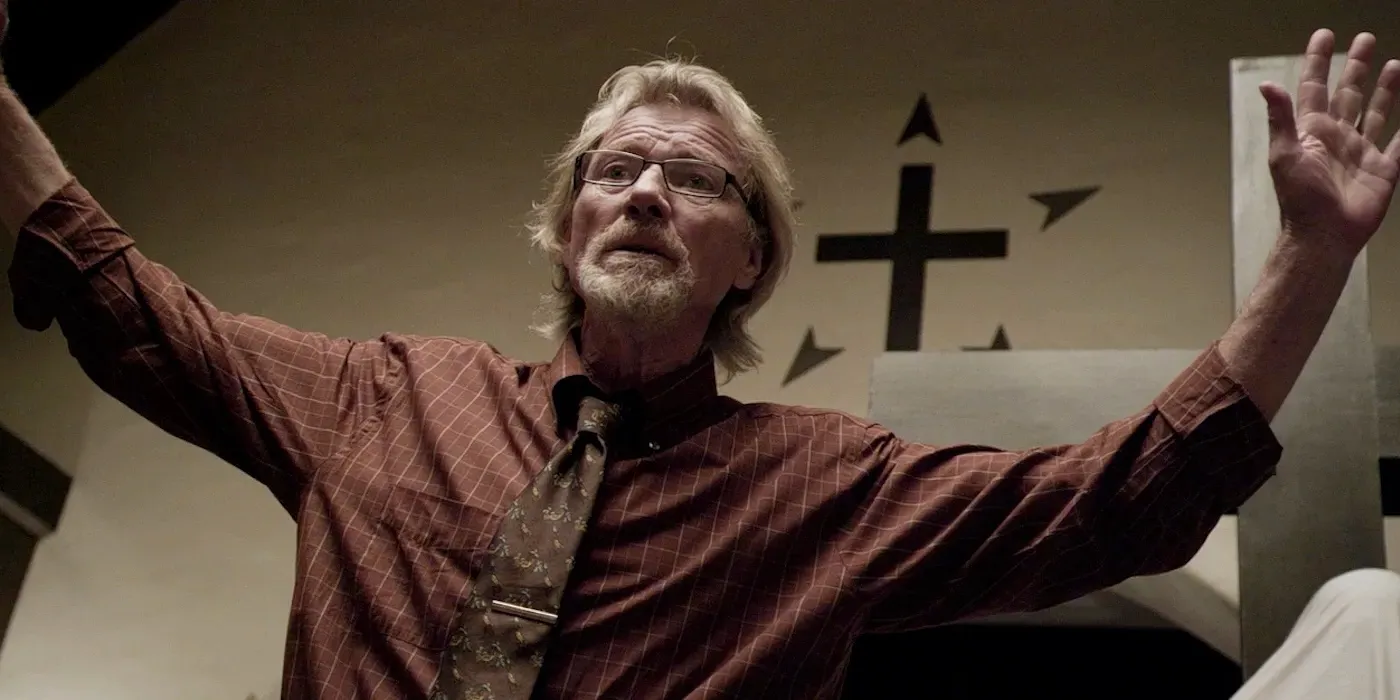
[640, 290]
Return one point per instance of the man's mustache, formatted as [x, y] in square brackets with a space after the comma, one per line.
[650, 238]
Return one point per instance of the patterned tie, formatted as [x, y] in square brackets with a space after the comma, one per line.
[498, 645]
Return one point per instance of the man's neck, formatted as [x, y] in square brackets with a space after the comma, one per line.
[620, 357]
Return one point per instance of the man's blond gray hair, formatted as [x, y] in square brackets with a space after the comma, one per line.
[764, 180]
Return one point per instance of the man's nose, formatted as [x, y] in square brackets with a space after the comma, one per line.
[646, 199]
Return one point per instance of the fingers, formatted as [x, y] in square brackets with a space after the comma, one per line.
[1347, 102]
[1382, 101]
[1283, 129]
[1312, 84]
[1349, 97]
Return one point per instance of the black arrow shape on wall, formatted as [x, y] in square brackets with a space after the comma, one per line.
[999, 342]
[809, 357]
[1062, 202]
[920, 123]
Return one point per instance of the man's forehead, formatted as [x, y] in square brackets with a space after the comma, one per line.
[675, 129]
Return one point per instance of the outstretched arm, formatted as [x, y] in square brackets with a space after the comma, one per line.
[272, 400]
[1334, 185]
[951, 532]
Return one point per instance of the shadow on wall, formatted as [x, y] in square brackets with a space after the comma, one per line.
[54, 425]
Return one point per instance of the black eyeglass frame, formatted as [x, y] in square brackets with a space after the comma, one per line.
[729, 178]
[754, 207]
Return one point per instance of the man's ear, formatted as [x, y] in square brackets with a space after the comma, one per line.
[752, 269]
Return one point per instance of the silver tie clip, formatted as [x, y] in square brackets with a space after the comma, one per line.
[522, 611]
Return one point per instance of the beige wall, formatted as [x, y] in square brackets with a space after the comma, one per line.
[354, 167]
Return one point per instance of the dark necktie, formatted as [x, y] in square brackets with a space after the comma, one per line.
[497, 646]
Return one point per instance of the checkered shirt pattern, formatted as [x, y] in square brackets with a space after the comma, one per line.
[738, 548]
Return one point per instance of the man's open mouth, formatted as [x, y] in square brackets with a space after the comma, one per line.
[637, 249]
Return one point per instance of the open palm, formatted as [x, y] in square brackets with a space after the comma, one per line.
[1332, 178]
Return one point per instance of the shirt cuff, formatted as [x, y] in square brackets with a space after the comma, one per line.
[74, 222]
[1223, 431]
[67, 237]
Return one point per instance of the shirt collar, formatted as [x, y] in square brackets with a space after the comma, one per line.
[658, 401]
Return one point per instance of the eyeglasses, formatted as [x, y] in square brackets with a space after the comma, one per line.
[687, 176]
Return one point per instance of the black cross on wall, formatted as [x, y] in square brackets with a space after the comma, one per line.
[909, 248]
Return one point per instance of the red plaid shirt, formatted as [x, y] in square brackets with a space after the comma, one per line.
[739, 548]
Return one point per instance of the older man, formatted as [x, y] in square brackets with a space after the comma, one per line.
[605, 524]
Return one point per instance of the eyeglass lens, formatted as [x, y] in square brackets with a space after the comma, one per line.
[682, 175]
